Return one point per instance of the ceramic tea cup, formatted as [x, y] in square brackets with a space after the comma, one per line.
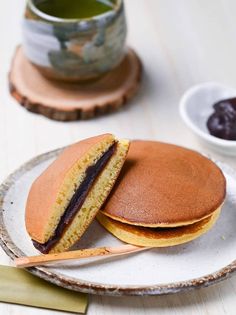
[75, 49]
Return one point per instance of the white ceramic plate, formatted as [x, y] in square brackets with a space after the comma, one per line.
[201, 262]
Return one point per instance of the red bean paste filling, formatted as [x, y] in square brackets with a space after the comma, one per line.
[222, 123]
[77, 200]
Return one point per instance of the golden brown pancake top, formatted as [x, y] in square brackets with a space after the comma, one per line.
[163, 184]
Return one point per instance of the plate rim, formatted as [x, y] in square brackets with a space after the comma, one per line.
[91, 287]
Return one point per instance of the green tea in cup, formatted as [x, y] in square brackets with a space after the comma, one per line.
[74, 40]
[75, 9]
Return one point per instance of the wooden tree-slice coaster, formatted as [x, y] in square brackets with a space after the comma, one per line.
[73, 101]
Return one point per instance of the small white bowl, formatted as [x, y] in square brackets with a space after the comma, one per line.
[196, 106]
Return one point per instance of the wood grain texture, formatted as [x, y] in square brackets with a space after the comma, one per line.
[68, 102]
[41, 260]
[181, 43]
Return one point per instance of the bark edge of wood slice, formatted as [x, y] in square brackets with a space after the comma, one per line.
[73, 101]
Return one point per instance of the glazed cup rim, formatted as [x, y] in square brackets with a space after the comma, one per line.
[51, 18]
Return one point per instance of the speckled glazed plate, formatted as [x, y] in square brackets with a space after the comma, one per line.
[200, 263]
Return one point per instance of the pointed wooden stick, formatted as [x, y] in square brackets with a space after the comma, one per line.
[76, 255]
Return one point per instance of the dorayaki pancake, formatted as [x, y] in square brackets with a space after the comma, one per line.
[157, 237]
[164, 185]
[65, 198]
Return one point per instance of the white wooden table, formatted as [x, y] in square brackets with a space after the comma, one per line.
[181, 43]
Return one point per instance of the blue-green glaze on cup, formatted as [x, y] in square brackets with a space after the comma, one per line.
[74, 49]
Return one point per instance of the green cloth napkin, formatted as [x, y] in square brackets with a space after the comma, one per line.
[20, 287]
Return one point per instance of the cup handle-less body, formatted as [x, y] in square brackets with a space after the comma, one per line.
[74, 49]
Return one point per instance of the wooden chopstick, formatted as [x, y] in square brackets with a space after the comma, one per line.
[30, 261]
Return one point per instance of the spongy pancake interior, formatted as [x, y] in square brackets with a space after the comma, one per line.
[94, 200]
[157, 237]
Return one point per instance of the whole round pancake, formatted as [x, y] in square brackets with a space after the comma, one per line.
[157, 237]
[164, 185]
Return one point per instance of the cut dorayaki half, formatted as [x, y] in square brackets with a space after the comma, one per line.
[66, 197]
